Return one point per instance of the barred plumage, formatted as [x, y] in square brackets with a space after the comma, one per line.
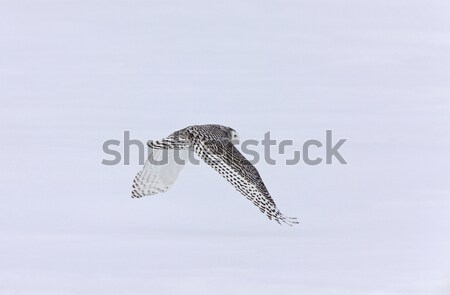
[214, 144]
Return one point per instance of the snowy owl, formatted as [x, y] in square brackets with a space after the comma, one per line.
[214, 145]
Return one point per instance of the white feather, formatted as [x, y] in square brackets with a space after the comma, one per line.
[159, 172]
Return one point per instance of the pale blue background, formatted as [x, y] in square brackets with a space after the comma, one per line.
[76, 73]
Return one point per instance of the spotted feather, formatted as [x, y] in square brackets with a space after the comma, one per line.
[214, 144]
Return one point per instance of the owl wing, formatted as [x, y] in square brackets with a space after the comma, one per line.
[236, 169]
[166, 159]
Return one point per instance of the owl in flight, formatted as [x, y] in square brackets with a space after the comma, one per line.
[214, 145]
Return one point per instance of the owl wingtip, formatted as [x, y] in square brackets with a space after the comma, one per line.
[288, 220]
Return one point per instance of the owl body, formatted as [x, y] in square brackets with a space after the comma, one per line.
[215, 145]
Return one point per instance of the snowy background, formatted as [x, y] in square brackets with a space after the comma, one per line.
[76, 73]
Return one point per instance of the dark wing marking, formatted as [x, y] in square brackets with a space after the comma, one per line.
[236, 169]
